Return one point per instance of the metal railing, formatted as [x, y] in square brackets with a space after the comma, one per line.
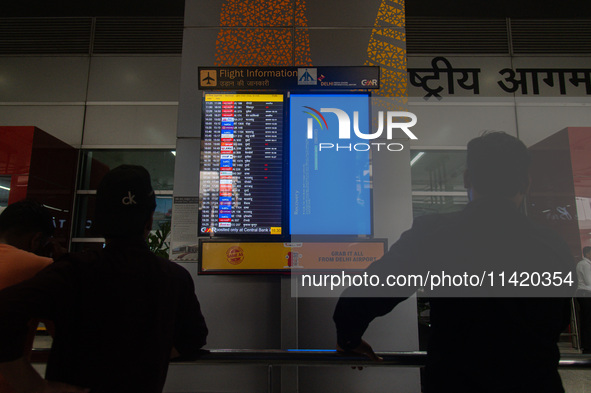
[300, 357]
[319, 357]
[277, 357]
[272, 358]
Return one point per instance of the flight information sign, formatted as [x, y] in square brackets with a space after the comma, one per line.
[241, 182]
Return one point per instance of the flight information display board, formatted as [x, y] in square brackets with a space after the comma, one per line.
[241, 190]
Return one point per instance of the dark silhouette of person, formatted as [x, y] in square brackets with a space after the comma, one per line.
[26, 228]
[481, 340]
[119, 313]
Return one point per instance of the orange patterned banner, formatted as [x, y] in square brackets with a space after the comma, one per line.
[255, 45]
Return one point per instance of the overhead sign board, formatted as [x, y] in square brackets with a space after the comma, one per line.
[289, 78]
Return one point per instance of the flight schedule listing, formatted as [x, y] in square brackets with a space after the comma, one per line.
[242, 164]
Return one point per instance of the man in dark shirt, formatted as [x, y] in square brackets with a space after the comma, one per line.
[118, 313]
[486, 339]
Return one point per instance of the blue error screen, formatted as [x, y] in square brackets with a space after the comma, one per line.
[330, 183]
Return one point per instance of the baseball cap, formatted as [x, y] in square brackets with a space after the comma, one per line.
[125, 200]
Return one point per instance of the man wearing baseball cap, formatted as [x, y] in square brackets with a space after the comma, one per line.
[119, 313]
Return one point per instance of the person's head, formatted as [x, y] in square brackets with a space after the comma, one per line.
[26, 225]
[125, 203]
[587, 252]
[497, 166]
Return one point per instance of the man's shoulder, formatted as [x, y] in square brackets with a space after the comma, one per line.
[176, 269]
[438, 217]
[428, 226]
[543, 230]
[435, 221]
[18, 265]
[162, 264]
[78, 258]
[10, 254]
[551, 239]
[92, 268]
[139, 256]
[173, 273]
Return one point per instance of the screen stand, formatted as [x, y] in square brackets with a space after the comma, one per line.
[289, 334]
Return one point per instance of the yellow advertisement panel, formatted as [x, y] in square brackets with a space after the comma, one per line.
[228, 256]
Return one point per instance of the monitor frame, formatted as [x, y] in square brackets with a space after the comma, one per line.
[329, 237]
[285, 161]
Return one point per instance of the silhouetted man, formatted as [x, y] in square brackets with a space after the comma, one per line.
[25, 228]
[478, 344]
[118, 312]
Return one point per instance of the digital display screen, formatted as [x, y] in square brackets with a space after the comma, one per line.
[330, 182]
[241, 189]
